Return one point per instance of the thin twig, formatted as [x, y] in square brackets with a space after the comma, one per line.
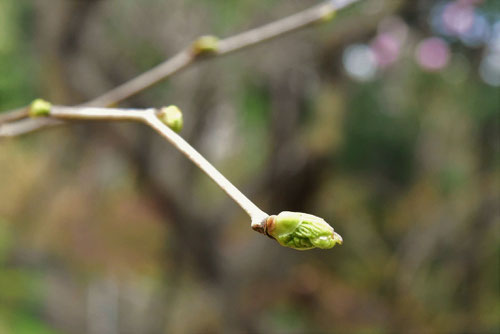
[13, 115]
[256, 214]
[182, 60]
[145, 80]
[150, 117]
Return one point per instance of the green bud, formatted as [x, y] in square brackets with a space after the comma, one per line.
[40, 107]
[172, 116]
[206, 45]
[301, 231]
[328, 16]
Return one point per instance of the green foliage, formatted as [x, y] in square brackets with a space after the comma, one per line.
[376, 140]
[230, 13]
[21, 293]
[17, 83]
[254, 115]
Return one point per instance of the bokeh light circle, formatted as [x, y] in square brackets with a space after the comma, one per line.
[432, 54]
[360, 62]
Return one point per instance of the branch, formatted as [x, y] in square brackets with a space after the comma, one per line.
[155, 118]
[13, 115]
[291, 229]
[203, 48]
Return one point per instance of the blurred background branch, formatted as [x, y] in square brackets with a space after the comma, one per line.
[322, 12]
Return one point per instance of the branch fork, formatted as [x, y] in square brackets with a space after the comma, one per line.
[290, 229]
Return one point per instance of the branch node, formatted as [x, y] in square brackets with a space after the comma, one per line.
[260, 225]
[40, 107]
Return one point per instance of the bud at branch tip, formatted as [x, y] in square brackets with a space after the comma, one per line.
[301, 231]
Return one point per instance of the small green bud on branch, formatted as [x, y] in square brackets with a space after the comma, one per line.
[205, 46]
[301, 231]
[40, 107]
[172, 116]
[328, 15]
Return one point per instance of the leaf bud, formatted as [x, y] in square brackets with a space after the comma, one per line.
[40, 107]
[301, 231]
[172, 117]
[328, 12]
[205, 45]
